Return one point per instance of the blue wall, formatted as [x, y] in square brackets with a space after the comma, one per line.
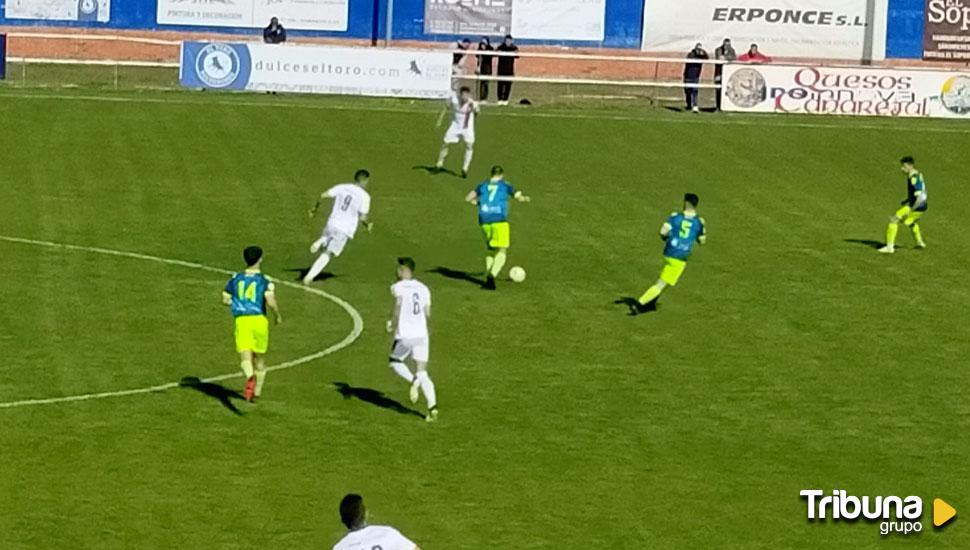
[624, 22]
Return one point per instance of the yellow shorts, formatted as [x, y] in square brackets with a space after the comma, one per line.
[497, 235]
[673, 269]
[252, 333]
[908, 216]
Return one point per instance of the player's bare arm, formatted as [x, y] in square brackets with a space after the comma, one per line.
[226, 299]
[702, 238]
[472, 197]
[365, 222]
[313, 211]
[521, 197]
[665, 231]
[392, 321]
[273, 306]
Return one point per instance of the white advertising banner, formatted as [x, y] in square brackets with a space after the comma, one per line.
[314, 15]
[846, 91]
[316, 69]
[559, 19]
[59, 10]
[820, 29]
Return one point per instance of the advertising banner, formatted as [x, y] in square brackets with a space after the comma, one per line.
[59, 10]
[314, 15]
[468, 17]
[820, 29]
[536, 19]
[559, 19]
[316, 69]
[849, 91]
[946, 30]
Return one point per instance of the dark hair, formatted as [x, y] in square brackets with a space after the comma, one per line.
[361, 174]
[464, 89]
[407, 262]
[352, 510]
[691, 199]
[497, 170]
[466, 41]
[252, 254]
[508, 37]
[906, 160]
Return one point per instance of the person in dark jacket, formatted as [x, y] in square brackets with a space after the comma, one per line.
[692, 76]
[485, 64]
[506, 67]
[724, 52]
[274, 33]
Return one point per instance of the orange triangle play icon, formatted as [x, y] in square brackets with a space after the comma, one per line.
[942, 512]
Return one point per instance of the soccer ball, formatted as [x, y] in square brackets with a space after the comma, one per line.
[517, 274]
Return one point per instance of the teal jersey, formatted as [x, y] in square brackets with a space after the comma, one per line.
[493, 201]
[916, 192]
[248, 291]
[685, 231]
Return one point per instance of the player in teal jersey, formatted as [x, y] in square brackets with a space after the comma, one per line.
[680, 232]
[912, 208]
[492, 199]
[248, 294]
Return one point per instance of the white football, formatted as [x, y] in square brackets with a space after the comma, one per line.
[517, 274]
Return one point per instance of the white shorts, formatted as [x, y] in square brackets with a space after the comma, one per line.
[456, 132]
[334, 241]
[416, 348]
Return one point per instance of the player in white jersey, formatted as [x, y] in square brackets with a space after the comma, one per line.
[409, 324]
[367, 537]
[463, 110]
[351, 205]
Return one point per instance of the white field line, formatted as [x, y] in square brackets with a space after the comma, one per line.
[348, 340]
[719, 120]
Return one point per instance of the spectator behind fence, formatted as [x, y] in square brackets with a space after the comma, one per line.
[485, 64]
[506, 67]
[692, 76]
[724, 52]
[458, 62]
[274, 33]
[754, 56]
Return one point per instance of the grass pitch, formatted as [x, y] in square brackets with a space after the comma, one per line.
[791, 356]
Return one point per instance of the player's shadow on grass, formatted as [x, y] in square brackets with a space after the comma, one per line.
[302, 271]
[629, 302]
[865, 242]
[434, 170]
[218, 392]
[457, 274]
[374, 397]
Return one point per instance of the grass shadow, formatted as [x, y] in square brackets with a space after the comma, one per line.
[302, 271]
[631, 304]
[218, 392]
[374, 397]
[865, 242]
[457, 275]
[434, 170]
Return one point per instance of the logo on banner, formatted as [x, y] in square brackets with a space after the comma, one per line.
[217, 65]
[746, 88]
[955, 95]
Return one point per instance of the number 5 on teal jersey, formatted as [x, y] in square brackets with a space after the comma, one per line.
[685, 227]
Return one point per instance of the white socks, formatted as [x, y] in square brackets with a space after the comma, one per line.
[403, 371]
[442, 155]
[317, 268]
[427, 388]
[469, 152]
